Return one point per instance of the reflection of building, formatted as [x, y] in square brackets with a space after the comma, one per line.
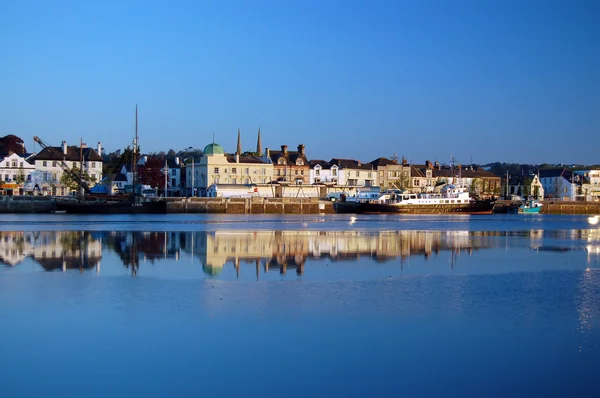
[53, 250]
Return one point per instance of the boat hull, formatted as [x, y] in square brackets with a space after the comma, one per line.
[478, 207]
[529, 210]
[158, 207]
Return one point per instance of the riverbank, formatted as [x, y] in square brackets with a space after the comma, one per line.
[27, 204]
[570, 208]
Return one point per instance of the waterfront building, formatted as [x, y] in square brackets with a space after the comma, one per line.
[289, 167]
[590, 184]
[560, 184]
[391, 174]
[217, 167]
[354, 173]
[49, 166]
[15, 172]
[322, 172]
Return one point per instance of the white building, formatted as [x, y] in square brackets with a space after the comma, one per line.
[322, 172]
[15, 172]
[354, 173]
[215, 167]
[559, 184]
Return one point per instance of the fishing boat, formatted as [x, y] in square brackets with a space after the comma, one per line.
[134, 203]
[532, 206]
[451, 199]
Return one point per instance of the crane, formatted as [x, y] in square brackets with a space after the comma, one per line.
[84, 185]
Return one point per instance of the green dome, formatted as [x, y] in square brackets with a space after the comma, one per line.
[214, 149]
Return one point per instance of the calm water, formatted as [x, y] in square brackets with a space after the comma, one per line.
[427, 306]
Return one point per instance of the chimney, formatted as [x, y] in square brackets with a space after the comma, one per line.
[358, 162]
[237, 157]
[437, 165]
[284, 149]
[301, 149]
[99, 148]
[428, 164]
[267, 153]
[239, 144]
[64, 147]
[404, 161]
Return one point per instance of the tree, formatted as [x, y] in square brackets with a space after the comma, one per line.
[151, 173]
[12, 144]
[20, 179]
[71, 180]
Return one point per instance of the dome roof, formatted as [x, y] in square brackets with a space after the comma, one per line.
[214, 149]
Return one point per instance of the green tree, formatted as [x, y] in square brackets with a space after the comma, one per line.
[20, 179]
[71, 180]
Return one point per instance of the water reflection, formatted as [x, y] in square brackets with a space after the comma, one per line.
[272, 251]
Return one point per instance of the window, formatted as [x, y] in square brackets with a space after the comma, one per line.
[6, 177]
[54, 163]
[173, 182]
[53, 176]
[44, 164]
[334, 172]
[94, 176]
[45, 177]
[14, 163]
[173, 172]
[21, 164]
[317, 172]
[234, 180]
[247, 171]
[296, 171]
[301, 172]
[216, 170]
[278, 172]
[369, 174]
[234, 171]
[263, 171]
[299, 162]
[281, 161]
[93, 165]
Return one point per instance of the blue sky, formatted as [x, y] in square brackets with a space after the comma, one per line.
[487, 80]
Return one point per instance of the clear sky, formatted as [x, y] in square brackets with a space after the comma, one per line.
[488, 80]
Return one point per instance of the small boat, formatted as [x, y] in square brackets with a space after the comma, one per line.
[532, 206]
[451, 199]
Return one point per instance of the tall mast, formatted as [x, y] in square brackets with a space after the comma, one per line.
[135, 150]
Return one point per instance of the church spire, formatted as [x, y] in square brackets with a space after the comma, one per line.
[259, 145]
[239, 145]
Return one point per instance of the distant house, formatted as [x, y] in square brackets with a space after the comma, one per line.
[354, 173]
[321, 172]
[590, 184]
[560, 184]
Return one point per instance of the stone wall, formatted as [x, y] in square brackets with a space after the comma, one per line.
[570, 208]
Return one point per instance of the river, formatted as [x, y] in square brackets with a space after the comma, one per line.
[297, 306]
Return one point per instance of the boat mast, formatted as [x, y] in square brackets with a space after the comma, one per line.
[134, 155]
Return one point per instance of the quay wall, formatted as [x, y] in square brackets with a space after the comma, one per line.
[571, 208]
[27, 204]
[255, 205]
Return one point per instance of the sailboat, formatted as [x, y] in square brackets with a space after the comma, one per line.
[130, 204]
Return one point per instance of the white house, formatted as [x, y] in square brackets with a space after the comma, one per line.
[559, 184]
[15, 172]
[50, 164]
[322, 172]
[354, 173]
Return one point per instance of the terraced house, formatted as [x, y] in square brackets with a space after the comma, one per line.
[289, 167]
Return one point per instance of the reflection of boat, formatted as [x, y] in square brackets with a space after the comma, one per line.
[531, 207]
[452, 199]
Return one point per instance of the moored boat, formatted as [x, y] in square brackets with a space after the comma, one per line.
[531, 207]
[452, 199]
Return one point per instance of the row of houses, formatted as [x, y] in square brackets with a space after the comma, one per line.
[284, 172]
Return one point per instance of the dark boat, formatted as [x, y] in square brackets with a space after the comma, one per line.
[451, 200]
[111, 207]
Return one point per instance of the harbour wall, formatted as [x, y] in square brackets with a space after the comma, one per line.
[27, 204]
[570, 208]
[254, 205]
